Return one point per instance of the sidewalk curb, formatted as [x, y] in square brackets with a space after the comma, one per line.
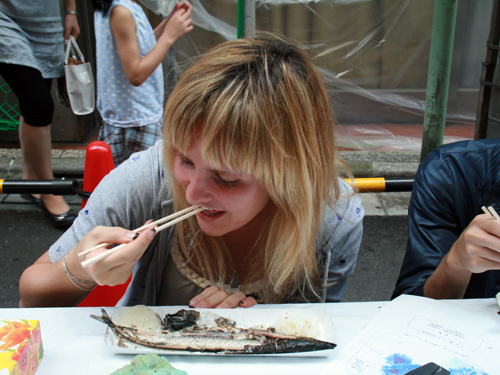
[363, 164]
[11, 168]
[71, 164]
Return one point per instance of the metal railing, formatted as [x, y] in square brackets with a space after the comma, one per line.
[74, 187]
[55, 187]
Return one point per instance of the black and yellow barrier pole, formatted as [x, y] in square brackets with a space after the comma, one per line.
[382, 185]
[56, 187]
[72, 187]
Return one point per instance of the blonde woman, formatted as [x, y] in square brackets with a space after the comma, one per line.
[248, 135]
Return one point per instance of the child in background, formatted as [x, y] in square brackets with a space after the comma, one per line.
[130, 91]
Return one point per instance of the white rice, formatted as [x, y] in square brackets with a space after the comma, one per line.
[139, 317]
[295, 325]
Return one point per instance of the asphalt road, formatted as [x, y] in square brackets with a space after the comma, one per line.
[379, 260]
[25, 234]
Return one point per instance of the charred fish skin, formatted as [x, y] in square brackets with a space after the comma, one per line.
[224, 337]
[180, 320]
[298, 345]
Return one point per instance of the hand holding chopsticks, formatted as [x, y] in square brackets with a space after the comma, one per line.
[175, 218]
[490, 210]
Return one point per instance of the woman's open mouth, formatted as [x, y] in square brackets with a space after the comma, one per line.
[208, 214]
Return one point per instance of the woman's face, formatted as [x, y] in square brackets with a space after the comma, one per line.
[232, 198]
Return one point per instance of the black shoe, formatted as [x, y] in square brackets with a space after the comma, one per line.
[63, 220]
[31, 198]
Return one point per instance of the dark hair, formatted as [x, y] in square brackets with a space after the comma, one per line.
[102, 5]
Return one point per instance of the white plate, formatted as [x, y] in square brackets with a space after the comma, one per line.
[244, 318]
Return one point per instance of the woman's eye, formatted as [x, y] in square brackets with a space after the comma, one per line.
[185, 162]
[225, 183]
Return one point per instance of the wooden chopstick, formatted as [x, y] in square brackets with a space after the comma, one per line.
[490, 210]
[493, 213]
[146, 226]
[191, 211]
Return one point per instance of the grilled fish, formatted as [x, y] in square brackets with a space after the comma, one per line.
[223, 337]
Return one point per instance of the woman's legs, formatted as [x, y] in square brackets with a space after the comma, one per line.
[37, 107]
[36, 157]
[28, 173]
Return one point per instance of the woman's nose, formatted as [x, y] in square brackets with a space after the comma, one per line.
[198, 190]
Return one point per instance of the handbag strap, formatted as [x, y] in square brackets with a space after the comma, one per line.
[72, 44]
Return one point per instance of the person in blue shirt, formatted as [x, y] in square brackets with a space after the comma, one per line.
[453, 248]
[130, 87]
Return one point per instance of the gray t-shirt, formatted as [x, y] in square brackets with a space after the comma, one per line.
[137, 191]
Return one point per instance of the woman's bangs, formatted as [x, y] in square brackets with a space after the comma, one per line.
[226, 146]
[232, 138]
[179, 130]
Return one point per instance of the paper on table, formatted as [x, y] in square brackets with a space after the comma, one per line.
[412, 331]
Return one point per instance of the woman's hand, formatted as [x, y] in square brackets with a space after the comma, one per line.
[70, 21]
[214, 297]
[117, 267]
[47, 284]
[71, 27]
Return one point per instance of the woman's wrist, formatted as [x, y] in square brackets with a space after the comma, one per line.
[79, 279]
[71, 12]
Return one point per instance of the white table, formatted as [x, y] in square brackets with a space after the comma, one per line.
[74, 342]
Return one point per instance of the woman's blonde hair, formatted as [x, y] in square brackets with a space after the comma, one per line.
[262, 108]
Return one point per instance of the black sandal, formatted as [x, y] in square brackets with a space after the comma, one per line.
[31, 198]
[62, 220]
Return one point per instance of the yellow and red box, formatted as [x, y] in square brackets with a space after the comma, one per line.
[21, 348]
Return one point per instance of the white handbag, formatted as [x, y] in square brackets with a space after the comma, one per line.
[79, 80]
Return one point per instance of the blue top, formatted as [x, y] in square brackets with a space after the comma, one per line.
[137, 190]
[118, 101]
[452, 184]
[31, 34]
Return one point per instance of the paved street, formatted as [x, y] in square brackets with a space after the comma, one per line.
[26, 234]
[379, 260]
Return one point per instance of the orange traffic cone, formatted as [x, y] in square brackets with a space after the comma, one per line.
[98, 163]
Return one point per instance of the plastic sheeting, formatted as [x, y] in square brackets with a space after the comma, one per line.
[200, 16]
[374, 54]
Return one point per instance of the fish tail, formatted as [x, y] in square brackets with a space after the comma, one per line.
[104, 318]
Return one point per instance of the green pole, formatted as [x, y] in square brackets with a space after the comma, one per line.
[240, 33]
[443, 30]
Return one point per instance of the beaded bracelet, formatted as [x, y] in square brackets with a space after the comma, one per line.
[72, 12]
[75, 280]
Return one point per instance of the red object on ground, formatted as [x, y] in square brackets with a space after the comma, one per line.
[98, 163]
